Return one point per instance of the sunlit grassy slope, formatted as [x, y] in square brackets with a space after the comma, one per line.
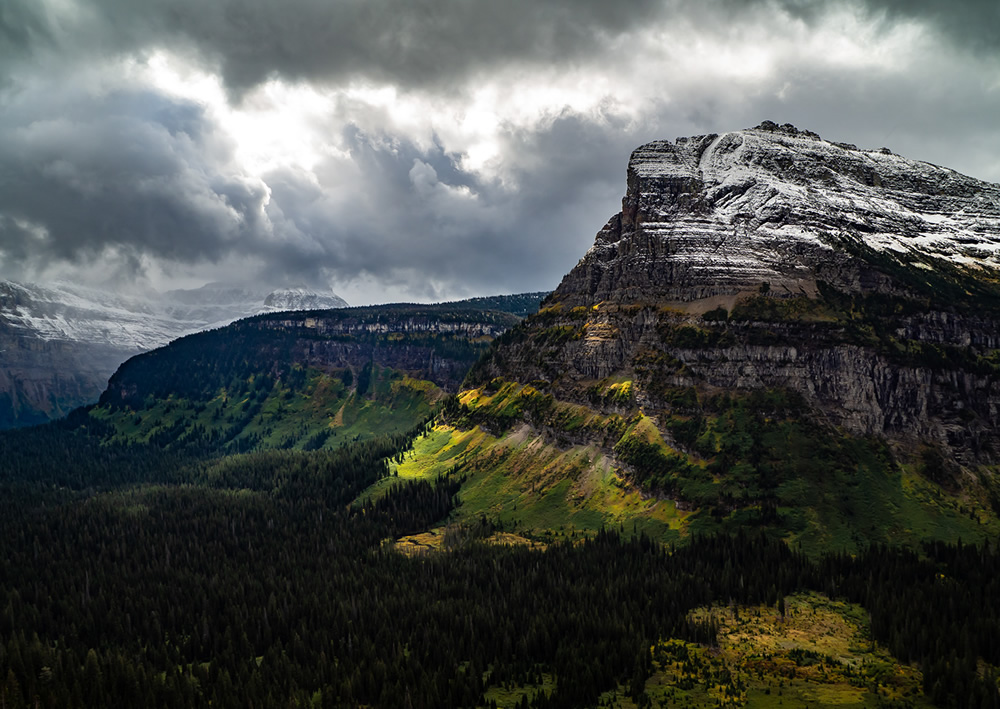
[547, 469]
[532, 488]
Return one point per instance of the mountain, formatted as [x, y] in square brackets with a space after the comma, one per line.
[301, 298]
[298, 379]
[719, 215]
[59, 343]
[776, 330]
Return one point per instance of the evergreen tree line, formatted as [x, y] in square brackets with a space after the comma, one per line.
[252, 581]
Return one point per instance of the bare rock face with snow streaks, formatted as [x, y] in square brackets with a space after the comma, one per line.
[718, 214]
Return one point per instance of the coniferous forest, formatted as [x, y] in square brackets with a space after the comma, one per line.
[133, 577]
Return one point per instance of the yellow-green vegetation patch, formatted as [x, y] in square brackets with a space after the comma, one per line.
[602, 486]
[435, 452]
[423, 385]
[617, 390]
[818, 652]
[515, 540]
[532, 486]
[444, 538]
[622, 391]
[502, 404]
[415, 544]
[643, 429]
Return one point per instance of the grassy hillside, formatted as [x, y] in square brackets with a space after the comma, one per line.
[308, 411]
[548, 491]
[303, 380]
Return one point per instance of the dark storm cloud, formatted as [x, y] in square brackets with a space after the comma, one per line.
[130, 171]
[405, 215]
[85, 168]
[406, 42]
[414, 218]
[422, 43]
[972, 24]
[22, 25]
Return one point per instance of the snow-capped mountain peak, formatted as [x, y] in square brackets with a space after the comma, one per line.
[717, 215]
[301, 298]
[60, 342]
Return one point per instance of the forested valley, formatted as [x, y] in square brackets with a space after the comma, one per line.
[132, 576]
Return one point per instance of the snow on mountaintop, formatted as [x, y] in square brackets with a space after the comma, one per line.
[62, 311]
[721, 215]
[301, 298]
[132, 323]
[790, 183]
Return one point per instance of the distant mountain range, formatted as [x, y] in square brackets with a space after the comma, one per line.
[60, 342]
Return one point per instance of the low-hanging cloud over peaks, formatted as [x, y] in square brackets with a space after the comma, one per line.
[436, 44]
[429, 149]
[125, 169]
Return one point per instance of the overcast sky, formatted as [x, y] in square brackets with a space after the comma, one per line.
[429, 149]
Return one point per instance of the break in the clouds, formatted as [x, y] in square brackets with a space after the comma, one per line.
[425, 149]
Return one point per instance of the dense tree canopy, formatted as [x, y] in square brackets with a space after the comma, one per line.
[133, 577]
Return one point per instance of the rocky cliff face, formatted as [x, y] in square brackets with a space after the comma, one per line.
[770, 259]
[428, 342]
[718, 214]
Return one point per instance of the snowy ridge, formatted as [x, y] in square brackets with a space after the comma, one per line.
[78, 314]
[133, 323]
[717, 214]
[800, 186]
[301, 298]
